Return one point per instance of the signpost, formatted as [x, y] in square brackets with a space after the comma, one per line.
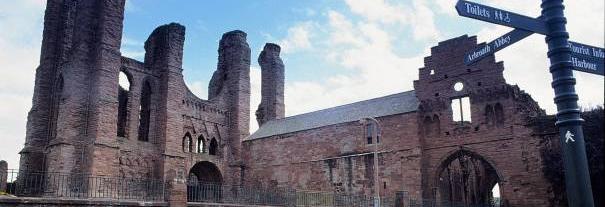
[496, 45]
[501, 17]
[564, 56]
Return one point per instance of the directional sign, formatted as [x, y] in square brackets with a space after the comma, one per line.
[589, 65]
[587, 51]
[495, 45]
[587, 58]
[498, 16]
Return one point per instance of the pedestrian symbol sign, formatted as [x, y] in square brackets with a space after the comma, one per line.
[569, 137]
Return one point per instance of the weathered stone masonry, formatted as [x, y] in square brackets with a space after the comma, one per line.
[164, 129]
[458, 133]
[424, 152]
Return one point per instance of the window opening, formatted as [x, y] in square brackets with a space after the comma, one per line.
[461, 109]
[145, 109]
[123, 92]
[458, 86]
[213, 147]
[201, 148]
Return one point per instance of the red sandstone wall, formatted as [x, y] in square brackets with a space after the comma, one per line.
[335, 158]
[507, 145]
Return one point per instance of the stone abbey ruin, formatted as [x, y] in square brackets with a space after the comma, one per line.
[459, 133]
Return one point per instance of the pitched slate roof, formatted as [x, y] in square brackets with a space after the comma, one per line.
[383, 106]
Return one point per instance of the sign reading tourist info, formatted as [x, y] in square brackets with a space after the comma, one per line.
[587, 58]
[582, 58]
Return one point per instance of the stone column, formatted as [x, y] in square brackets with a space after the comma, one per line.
[3, 175]
[272, 86]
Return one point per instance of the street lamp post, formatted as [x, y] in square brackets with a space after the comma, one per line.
[375, 137]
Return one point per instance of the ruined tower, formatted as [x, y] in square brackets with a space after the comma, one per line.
[272, 87]
[230, 88]
[163, 63]
[75, 96]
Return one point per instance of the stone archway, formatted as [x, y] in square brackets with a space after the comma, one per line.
[204, 183]
[206, 172]
[467, 179]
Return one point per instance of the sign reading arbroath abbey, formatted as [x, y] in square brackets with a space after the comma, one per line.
[459, 133]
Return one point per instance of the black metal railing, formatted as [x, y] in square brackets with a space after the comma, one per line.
[224, 193]
[201, 192]
[66, 185]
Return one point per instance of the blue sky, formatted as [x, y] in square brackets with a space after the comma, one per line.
[335, 51]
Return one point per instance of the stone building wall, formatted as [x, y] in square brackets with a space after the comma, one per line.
[497, 134]
[337, 158]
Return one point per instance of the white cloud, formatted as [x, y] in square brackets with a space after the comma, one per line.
[199, 88]
[446, 6]
[20, 40]
[304, 11]
[298, 38]
[137, 54]
[422, 22]
[363, 47]
[130, 7]
[418, 16]
[378, 11]
[127, 41]
[132, 48]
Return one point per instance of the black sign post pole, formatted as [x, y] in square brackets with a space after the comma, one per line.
[569, 122]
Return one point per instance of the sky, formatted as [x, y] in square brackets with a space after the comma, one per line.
[335, 51]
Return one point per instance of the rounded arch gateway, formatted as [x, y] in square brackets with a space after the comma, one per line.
[465, 177]
[205, 183]
[205, 172]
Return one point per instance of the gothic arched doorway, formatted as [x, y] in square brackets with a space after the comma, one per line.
[204, 183]
[467, 179]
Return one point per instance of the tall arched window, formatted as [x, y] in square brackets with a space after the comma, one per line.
[436, 125]
[489, 115]
[212, 150]
[56, 102]
[370, 132]
[187, 143]
[426, 126]
[145, 110]
[499, 111]
[201, 145]
[123, 93]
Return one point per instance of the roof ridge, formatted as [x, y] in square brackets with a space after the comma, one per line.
[341, 106]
